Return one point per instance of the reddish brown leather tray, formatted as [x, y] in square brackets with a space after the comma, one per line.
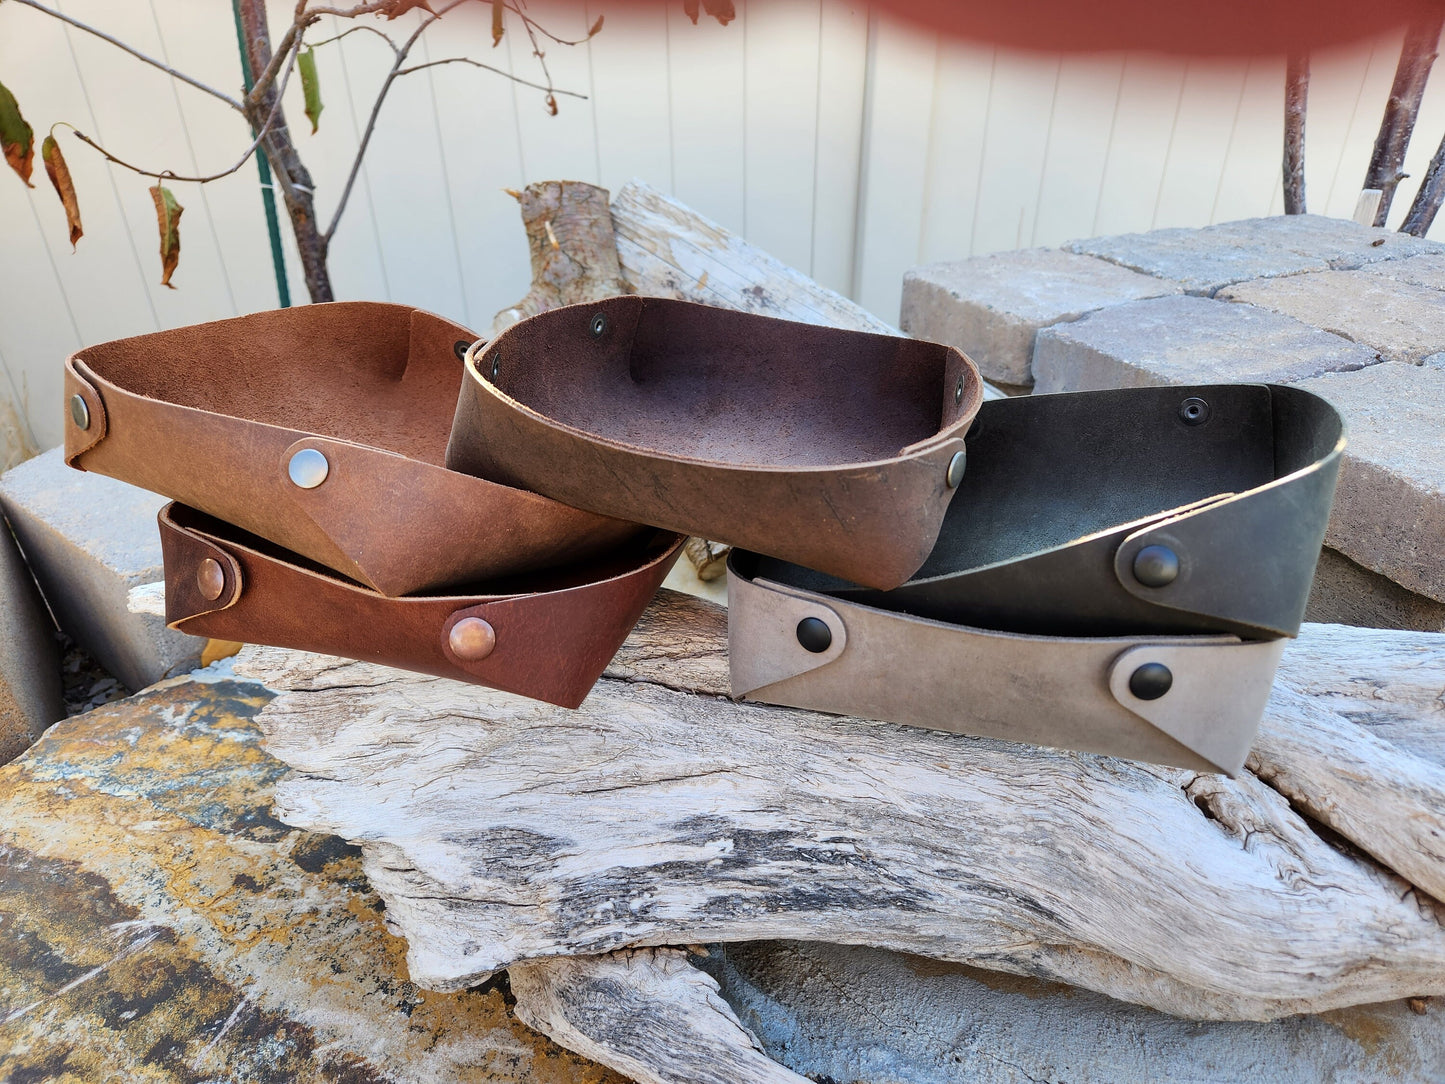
[836, 450]
[322, 428]
[545, 635]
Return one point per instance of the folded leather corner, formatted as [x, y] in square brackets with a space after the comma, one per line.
[201, 576]
[85, 419]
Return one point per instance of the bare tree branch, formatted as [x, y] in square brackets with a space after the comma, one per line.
[1428, 199]
[1417, 55]
[487, 67]
[167, 174]
[154, 63]
[354, 30]
[1296, 95]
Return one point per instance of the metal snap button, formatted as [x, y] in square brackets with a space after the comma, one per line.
[1151, 681]
[1156, 566]
[599, 326]
[958, 392]
[79, 412]
[496, 365]
[460, 348]
[815, 635]
[210, 579]
[955, 469]
[308, 468]
[1194, 411]
[472, 639]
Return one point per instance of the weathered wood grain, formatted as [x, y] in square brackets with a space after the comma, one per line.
[500, 830]
[625, 1008]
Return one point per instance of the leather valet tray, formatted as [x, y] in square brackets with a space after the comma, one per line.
[322, 428]
[544, 635]
[1116, 575]
[837, 450]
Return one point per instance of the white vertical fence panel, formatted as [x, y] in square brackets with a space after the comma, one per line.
[851, 146]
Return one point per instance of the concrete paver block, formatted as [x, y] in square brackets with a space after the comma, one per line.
[1417, 270]
[991, 307]
[1401, 320]
[1185, 340]
[90, 539]
[1346, 594]
[30, 697]
[1389, 511]
[1205, 260]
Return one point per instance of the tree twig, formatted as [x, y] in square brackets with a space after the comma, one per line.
[487, 67]
[167, 174]
[1417, 54]
[1428, 199]
[356, 29]
[1296, 96]
[103, 36]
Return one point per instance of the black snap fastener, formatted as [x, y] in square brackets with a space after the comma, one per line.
[1156, 566]
[460, 348]
[1194, 411]
[599, 326]
[815, 635]
[1151, 681]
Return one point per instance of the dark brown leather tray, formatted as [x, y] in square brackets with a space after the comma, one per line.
[836, 450]
[215, 415]
[545, 635]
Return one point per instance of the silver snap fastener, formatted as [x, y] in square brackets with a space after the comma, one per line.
[460, 348]
[308, 468]
[599, 326]
[472, 639]
[79, 412]
[955, 469]
[1194, 411]
[958, 392]
[1151, 681]
[496, 365]
[210, 580]
[1156, 566]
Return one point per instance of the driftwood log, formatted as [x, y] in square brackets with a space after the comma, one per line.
[501, 831]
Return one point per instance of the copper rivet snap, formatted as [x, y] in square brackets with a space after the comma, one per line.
[955, 469]
[210, 579]
[1156, 566]
[958, 392]
[472, 639]
[308, 468]
[815, 635]
[1151, 681]
[79, 412]
[1194, 411]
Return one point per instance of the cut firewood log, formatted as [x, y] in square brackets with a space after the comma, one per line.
[574, 256]
[500, 831]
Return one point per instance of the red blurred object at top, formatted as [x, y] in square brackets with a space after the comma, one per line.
[1201, 28]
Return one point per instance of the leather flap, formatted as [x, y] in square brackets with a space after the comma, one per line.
[1216, 697]
[189, 578]
[78, 441]
[763, 641]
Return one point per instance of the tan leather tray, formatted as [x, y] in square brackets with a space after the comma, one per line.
[215, 416]
[545, 635]
[837, 450]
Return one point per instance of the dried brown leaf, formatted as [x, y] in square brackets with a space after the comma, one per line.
[59, 174]
[499, 11]
[168, 220]
[596, 27]
[397, 8]
[552, 105]
[721, 10]
[17, 138]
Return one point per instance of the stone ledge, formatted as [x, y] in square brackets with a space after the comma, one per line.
[1389, 511]
[1391, 314]
[1186, 340]
[1345, 593]
[1206, 260]
[30, 698]
[89, 539]
[991, 307]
